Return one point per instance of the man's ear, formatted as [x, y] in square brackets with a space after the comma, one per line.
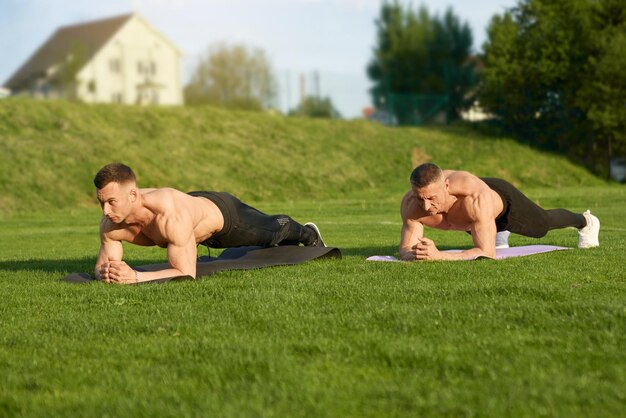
[446, 184]
[132, 194]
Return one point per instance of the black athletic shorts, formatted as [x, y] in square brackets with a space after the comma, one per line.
[247, 226]
[519, 215]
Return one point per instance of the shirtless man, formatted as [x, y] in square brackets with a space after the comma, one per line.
[458, 200]
[179, 222]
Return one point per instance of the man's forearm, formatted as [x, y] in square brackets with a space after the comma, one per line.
[146, 276]
[465, 254]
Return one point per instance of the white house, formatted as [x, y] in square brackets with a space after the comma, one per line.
[122, 59]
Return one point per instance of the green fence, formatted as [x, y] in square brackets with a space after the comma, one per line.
[413, 109]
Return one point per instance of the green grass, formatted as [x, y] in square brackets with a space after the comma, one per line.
[535, 336]
[51, 150]
[538, 336]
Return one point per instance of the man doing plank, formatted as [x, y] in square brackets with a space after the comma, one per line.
[179, 222]
[458, 200]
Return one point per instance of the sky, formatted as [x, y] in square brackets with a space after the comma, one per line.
[319, 46]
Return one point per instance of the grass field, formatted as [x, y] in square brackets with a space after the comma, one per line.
[535, 336]
[50, 151]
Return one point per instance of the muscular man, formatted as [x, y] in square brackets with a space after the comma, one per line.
[458, 200]
[179, 222]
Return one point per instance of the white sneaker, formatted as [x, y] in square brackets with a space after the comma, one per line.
[319, 242]
[588, 236]
[502, 239]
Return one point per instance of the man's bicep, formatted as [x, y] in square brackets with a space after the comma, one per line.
[110, 250]
[181, 250]
[484, 235]
[412, 231]
[182, 257]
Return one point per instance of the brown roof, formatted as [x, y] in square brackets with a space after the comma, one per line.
[90, 35]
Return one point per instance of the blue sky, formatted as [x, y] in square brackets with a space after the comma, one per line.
[332, 37]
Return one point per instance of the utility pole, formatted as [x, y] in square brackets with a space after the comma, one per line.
[316, 84]
[302, 92]
[288, 90]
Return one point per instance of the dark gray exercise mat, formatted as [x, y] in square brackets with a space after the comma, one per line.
[241, 258]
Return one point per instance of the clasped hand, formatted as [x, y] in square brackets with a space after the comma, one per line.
[425, 249]
[117, 272]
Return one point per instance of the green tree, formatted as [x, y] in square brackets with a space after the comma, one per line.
[554, 74]
[421, 61]
[314, 107]
[603, 97]
[233, 76]
[64, 80]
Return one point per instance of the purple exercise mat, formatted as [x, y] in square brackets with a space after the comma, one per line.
[500, 253]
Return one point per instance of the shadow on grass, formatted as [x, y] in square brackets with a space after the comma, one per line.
[86, 264]
[70, 265]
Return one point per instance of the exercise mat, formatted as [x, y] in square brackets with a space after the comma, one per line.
[240, 258]
[501, 253]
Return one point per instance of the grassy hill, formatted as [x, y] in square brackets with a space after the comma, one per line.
[50, 151]
[528, 336]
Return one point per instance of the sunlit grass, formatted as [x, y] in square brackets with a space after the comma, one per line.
[50, 151]
[533, 336]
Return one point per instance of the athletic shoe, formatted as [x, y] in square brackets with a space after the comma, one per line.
[319, 242]
[502, 239]
[588, 236]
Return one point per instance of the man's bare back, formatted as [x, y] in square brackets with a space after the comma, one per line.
[456, 201]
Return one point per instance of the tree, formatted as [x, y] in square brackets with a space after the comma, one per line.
[554, 74]
[603, 97]
[420, 60]
[314, 107]
[63, 79]
[234, 76]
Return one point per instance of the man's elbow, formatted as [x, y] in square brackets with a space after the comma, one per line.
[188, 273]
[489, 252]
[406, 255]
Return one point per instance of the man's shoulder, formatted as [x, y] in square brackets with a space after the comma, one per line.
[408, 200]
[163, 199]
[110, 230]
[464, 183]
[161, 192]
[170, 206]
[409, 209]
[458, 175]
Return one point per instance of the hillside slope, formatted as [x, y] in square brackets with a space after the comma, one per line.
[50, 151]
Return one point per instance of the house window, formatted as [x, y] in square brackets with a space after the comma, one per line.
[91, 86]
[146, 67]
[117, 98]
[114, 65]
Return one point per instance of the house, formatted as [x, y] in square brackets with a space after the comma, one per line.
[122, 59]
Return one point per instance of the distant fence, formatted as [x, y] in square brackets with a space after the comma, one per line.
[349, 93]
[413, 109]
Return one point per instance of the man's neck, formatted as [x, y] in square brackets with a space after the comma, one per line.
[450, 201]
[141, 215]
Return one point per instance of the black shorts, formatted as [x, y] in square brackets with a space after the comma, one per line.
[522, 216]
[247, 226]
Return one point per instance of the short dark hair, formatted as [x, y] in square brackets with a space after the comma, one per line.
[425, 174]
[114, 172]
